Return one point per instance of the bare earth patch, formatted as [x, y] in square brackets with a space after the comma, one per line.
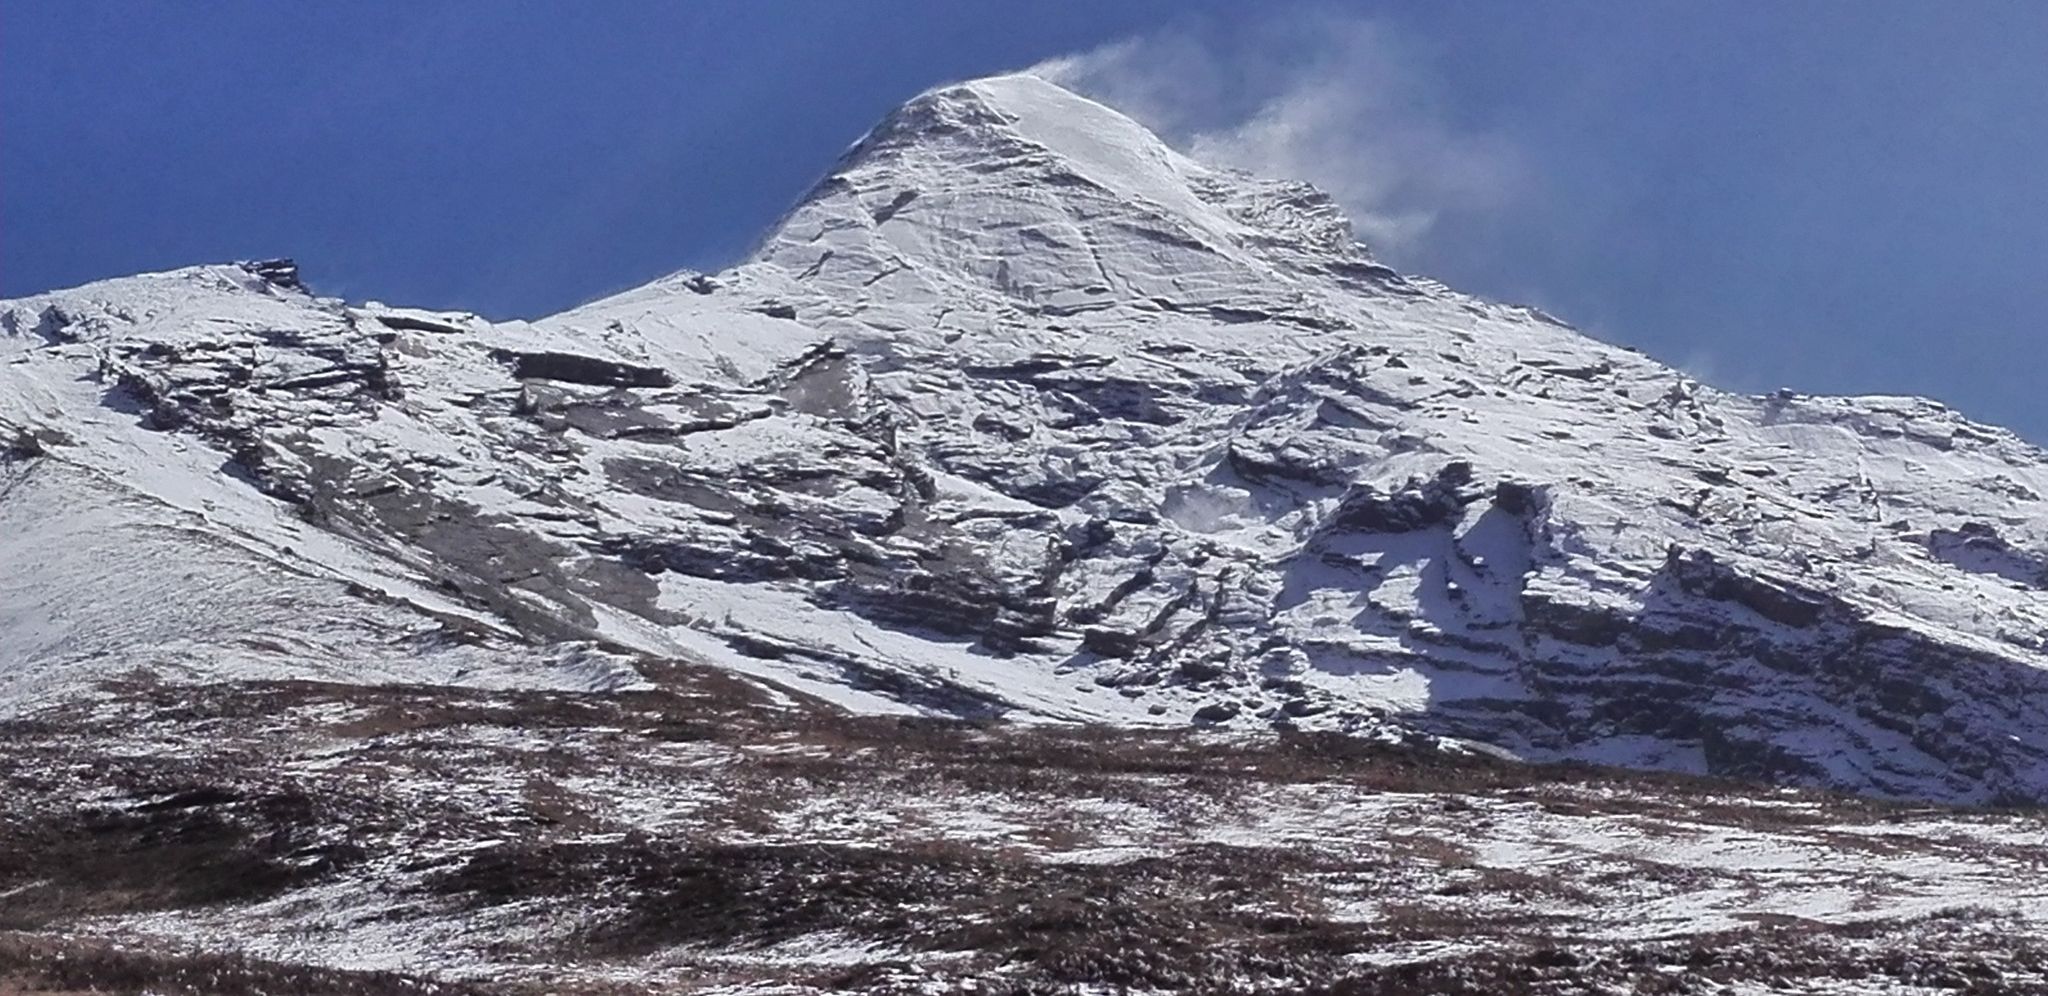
[711, 836]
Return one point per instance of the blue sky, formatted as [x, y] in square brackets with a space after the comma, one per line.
[1831, 196]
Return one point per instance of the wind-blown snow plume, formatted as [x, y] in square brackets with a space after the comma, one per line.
[1339, 102]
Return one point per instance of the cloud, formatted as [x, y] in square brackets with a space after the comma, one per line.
[1340, 102]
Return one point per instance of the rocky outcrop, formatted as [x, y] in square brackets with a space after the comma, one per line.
[1978, 547]
[570, 368]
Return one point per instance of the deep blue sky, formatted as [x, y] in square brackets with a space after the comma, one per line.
[1832, 196]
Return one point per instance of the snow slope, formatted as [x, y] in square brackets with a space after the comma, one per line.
[1020, 412]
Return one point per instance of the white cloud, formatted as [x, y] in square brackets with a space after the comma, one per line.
[1339, 102]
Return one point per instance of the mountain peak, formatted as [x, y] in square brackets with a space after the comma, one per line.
[1019, 114]
[1015, 185]
[1023, 412]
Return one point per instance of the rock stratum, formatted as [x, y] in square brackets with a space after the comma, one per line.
[1018, 414]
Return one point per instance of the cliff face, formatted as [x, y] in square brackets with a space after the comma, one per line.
[1019, 412]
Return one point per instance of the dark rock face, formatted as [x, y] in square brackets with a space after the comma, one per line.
[1519, 499]
[1710, 654]
[957, 604]
[1418, 505]
[1978, 547]
[1265, 464]
[251, 390]
[1697, 572]
[572, 369]
[409, 323]
[282, 273]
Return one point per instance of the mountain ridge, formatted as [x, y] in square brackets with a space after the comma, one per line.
[1020, 412]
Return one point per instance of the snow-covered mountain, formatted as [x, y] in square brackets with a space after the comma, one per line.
[1019, 412]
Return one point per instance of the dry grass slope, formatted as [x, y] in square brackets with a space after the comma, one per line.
[712, 836]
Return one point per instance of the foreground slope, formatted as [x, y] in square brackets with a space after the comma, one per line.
[1022, 413]
[708, 836]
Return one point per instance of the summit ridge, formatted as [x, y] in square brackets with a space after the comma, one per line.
[1014, 184]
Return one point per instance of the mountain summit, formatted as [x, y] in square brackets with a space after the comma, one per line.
[1022, 413]
[1055, 201]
